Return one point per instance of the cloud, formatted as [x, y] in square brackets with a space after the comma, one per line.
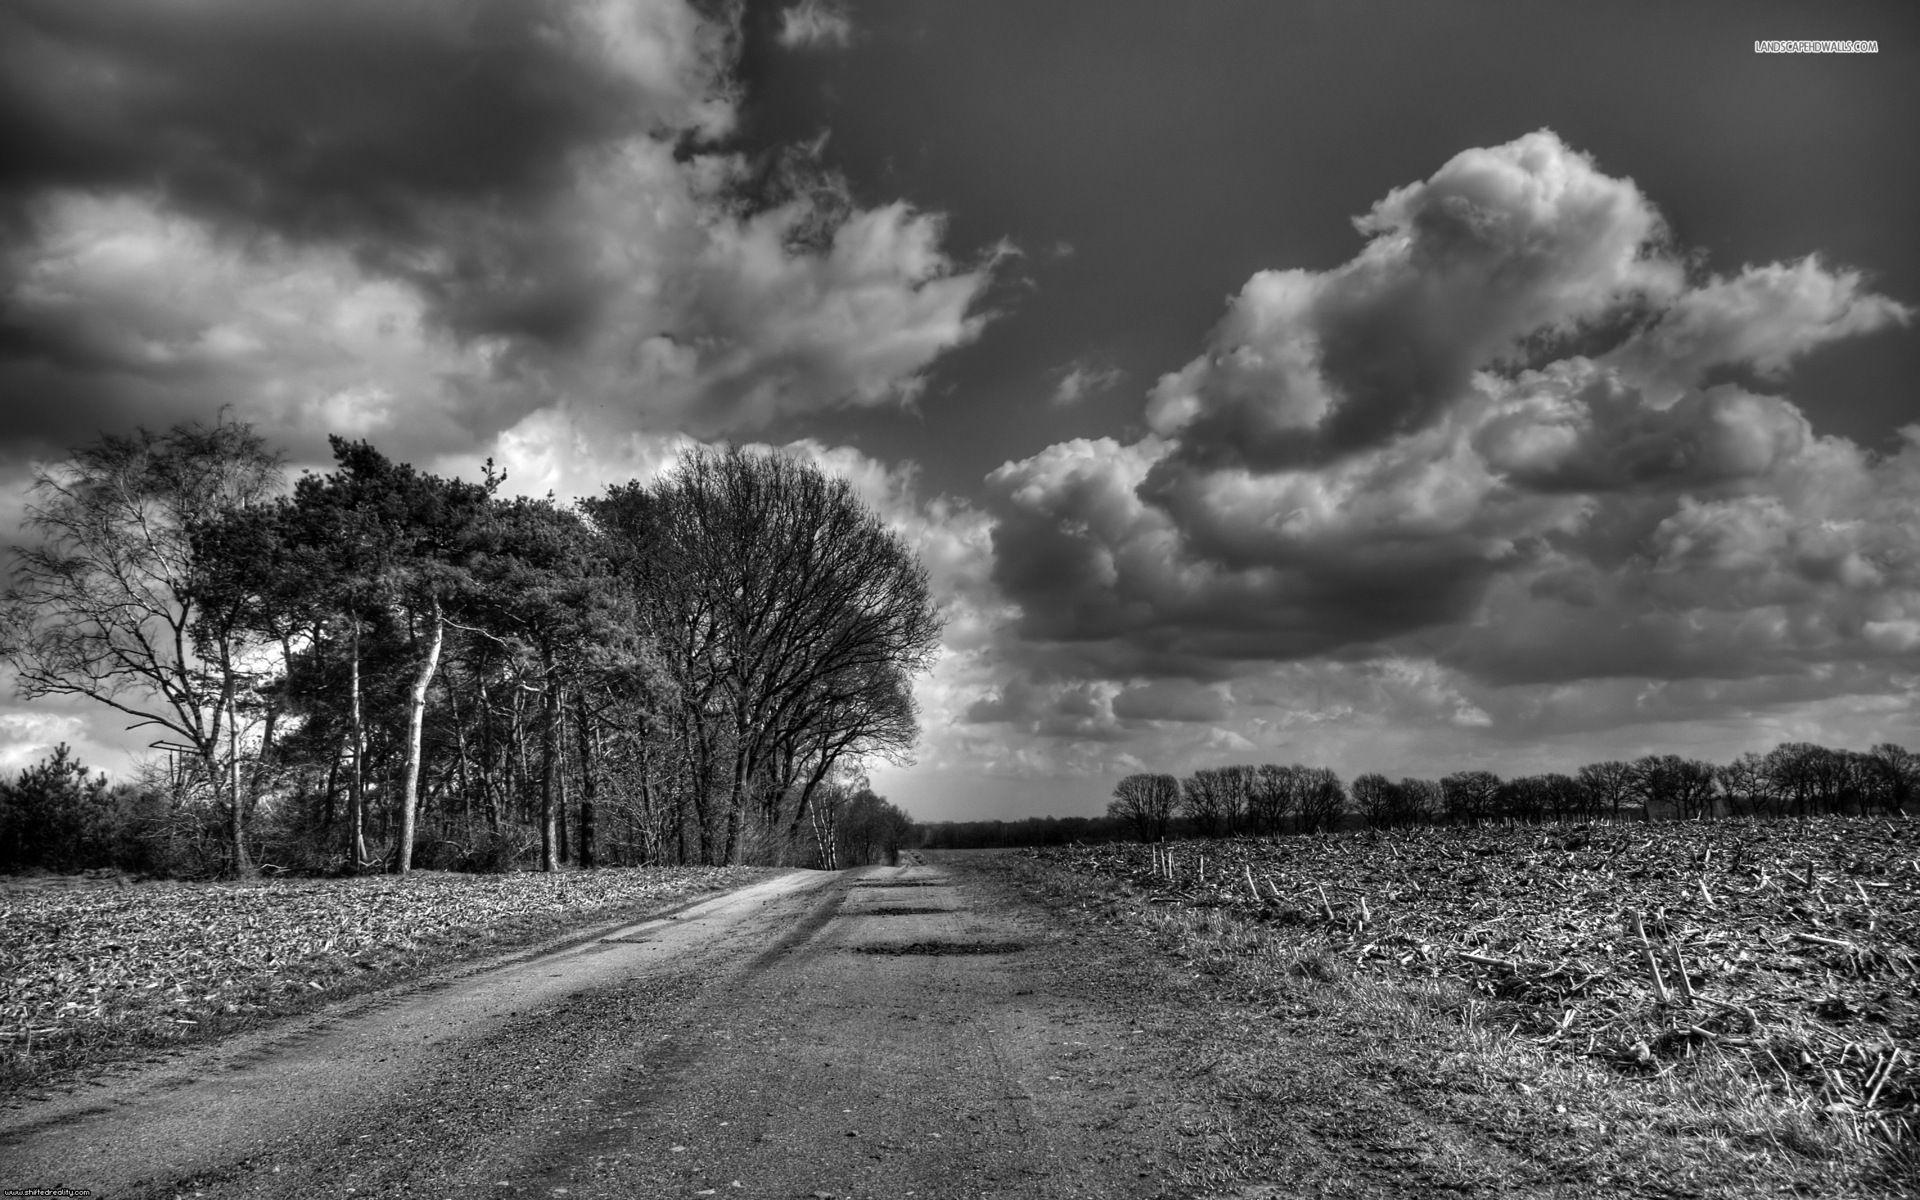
[27, 737]
[1083, 378]
[424, 223]
[1078, 711]
[1229, 566]
[1173, 700]
[745, 330]
[815, 24]
[1577, 427]
[1811, 569]
[122, 312]
[1519, 438]
[358, 117]
[1500, 245]
[1762, 319]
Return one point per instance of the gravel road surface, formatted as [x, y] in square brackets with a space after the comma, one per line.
[889, 1032]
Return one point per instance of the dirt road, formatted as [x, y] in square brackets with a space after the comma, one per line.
[911, 1031]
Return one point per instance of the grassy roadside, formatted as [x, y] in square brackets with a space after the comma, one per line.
[1311, 1077]
[100, 975]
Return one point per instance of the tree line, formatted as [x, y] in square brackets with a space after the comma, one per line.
[380, 668]
[1795, 779]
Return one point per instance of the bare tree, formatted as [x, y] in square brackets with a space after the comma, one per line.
[1377, 799]
[1269, 795]
[1523, 798]
[1895, 771]
[1810, 777]
[1745, 785]
[1609, 785]
[1563, 796]
[873, 830]
[1145, 802]
[767, 582]
[1684, 786]
[112, 603]
[868, 712]
[1234, 785]
[1421, 799]
[1318, 798]
[1470, 795]
[1201, 801]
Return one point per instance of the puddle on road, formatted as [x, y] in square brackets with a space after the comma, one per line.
[899, 910]
[897, 950]
[903, 883]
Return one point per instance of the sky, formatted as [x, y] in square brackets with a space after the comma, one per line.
[1397, 386]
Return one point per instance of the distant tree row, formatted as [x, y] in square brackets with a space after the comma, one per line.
[1027, 831]
[381, 668]
[1796, 779]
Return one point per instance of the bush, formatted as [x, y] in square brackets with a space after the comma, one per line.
[162, 831]
[291, 840]
[496, 852]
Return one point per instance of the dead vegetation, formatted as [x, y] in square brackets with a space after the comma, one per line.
[1752, 984]
[90, 969]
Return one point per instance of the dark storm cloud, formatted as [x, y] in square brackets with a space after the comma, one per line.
[1072, 710]
[427, 222]
[390, 126]
[348, 116]
[1171, 700]
[1093, 554]
[118, 313]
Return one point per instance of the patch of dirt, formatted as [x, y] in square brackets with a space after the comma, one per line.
[943, 948]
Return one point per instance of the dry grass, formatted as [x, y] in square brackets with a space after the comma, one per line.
[1309, 1065]
[98, 973]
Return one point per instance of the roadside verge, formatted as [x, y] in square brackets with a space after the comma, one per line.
[1303, 1076]
[102, 975]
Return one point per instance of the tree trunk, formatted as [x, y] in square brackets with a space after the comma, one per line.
[736, 798]
[562, 838]
[825, 839]
[700, 776]
[462, 779]
[548, 861]
[330, 799]
[801, 810]
[242, 861]
[517, 756]
[589, 785]
[650, 841]
[489, 793]
[416, 725]
[357, 798]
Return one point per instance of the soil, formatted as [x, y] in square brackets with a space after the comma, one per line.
[960, 1027]
[809, 1036]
